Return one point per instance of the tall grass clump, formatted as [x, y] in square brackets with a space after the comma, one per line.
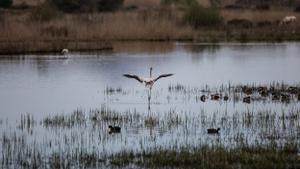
[6, 3]
[198, 16]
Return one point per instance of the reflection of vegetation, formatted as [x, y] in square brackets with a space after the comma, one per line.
[202, 48]
[110, 90]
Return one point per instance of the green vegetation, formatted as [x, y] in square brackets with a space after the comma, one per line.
[198, 16]
[6, 3]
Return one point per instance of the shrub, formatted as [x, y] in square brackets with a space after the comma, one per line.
[262, 7]
[22, 6]
[264, 23]
[2, 18]
[234, 7]
[198, 16]
[44, 12]
[5, 3]
[178, 2]
[109, 5]
[240, 23]
[75, 6]
[297, 9]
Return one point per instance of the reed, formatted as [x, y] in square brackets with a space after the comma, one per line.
[216, 156]
[22, 32]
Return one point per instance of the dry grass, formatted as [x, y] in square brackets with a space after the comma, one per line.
[138, 3]
[205, 3]
[256, 15]
[19, 32]
[144, 24]
[135, 25]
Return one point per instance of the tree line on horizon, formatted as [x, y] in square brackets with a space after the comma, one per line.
[77, 6]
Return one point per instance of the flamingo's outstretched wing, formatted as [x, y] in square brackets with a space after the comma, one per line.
[163, 75]
[134, 77]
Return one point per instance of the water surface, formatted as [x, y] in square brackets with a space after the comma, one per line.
[49, 86]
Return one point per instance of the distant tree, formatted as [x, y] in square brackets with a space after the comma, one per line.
[5, 3]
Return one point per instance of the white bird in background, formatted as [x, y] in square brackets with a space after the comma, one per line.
[148, 82]
[64, 51]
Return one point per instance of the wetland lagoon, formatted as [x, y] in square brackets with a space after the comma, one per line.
[55, 111]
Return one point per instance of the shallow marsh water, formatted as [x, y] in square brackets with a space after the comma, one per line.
[36, 88]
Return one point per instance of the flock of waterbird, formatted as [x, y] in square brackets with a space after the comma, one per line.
[283, 94]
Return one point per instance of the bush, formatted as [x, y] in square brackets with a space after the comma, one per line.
[264, 23]
[297, 9]
[2, 18]
[44, 12]
[21, 6]
[240, 23]
[262, 7]
[178, 2]
[75, 6]
[198, 16]
[5, 3]
[109, 5]
[234, 7]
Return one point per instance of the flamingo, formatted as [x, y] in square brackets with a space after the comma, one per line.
[148, 82]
